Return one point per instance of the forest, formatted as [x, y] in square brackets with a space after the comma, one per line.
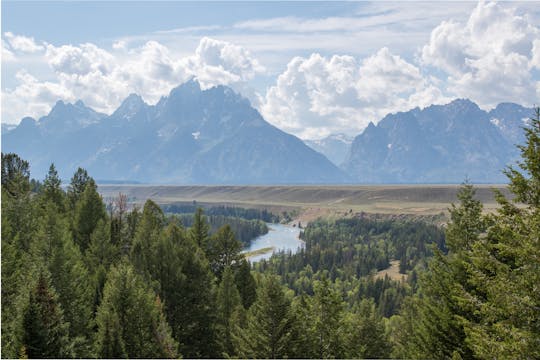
[84, 279]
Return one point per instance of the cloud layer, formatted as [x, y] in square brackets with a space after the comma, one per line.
[102, 79]
[490, 56]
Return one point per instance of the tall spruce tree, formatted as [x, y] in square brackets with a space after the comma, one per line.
[146, 238]
[505, 265]
[88, 211]
[199, 231]
[130, 319]
[77, 186]
[43, 330]
[268, 328]
[228, 300]
[52, 190]
[245, 282]
[223, 250]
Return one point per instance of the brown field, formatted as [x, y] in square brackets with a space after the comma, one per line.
[392, 272]
[311, 201]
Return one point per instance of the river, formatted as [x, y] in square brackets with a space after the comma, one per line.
[279, 237]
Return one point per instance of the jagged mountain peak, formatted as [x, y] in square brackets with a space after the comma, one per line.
[191, 136]
[440, 143]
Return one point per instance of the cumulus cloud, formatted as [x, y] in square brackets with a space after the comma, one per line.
[488, 58]
[317, 96]
[102, 78]
[22, 43]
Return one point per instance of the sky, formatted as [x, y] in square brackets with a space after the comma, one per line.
[311, 68]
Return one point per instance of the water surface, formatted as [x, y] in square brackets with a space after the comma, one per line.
[280, 237]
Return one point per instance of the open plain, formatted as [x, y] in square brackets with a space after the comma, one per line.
[311, 201]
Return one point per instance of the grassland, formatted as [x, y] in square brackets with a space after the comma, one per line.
[311, 201]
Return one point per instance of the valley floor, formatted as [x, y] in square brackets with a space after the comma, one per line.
[313, 201]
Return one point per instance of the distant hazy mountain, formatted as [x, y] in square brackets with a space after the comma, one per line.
[439, 144]
[191, 136]
[335, 147]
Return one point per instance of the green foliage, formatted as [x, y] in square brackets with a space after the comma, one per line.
[228, 300]
[198, 232]
[130, 319]
[224, 211]
[55, 249]
[43, 330]
[245, 282]
[77, 186]
[268, 326]
[368, 334]
[223, 250]
[15, 175]
[146, 238]
[244, 230]
[52, 191]
[88, 211]
[481, 300]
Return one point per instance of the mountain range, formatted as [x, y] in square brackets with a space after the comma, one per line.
[192, 136]
[214, 136]
[439, 144]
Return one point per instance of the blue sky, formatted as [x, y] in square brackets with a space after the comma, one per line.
[311, 68]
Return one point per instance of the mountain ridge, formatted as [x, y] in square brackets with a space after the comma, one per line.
[191, 136]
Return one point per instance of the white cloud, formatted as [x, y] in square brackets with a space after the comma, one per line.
[487, 59]
[32, 97]
[220, 62]
[120, 45]
[535, 59]
[102, 79]
[22, 43]
[317, 96]
[7, 54]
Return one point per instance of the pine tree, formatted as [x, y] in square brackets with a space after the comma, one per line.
[199, 231]
[328, 330]
[505, 265]
[146, 238]
[223, 250]
[228, 299]
[247, 287]
[15, 175]
[437, 329]
[368, 334]
[130, 319]
[195, 314]
[54, 248]
[267, 333]
[77, 186]
[43, 331]
[88, 211]
[52, 190]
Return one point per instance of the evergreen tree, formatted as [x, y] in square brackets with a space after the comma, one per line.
[267, 333]
[223, 250]
[55, 249]
[195, 312]
[505, 266]
[88, 211]
[438, 329]
[247, 287]
[15, 175]
[77, 186]
[228, 299]
[52, 190]
[199, 231]
[43, 331]
[328, 325]
[146, 239]
[130, 319]
[368, 334]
